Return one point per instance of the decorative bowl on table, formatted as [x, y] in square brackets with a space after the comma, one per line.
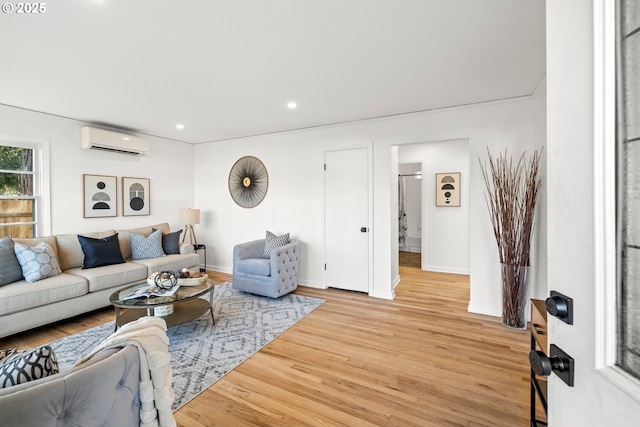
[191, 278]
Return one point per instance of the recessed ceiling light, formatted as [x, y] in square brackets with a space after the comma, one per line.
[292, 105]
[126, 138]
[180, 126]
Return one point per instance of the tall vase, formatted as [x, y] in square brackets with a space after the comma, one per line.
[515, 291]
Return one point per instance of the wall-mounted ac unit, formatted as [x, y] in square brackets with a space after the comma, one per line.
[99, 139]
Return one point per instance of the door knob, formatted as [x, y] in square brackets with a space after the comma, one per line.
[558, 362]
[363, 229]
[543, 365]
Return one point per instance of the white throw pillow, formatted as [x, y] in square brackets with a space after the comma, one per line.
[37, 262]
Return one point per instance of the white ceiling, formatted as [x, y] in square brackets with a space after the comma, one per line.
[227, 68]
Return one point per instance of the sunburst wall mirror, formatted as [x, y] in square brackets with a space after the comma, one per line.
[248, 181]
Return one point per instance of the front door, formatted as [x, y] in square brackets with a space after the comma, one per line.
[346, 219]
[581, 210]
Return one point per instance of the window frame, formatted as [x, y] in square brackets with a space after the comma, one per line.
[41, 178]
[605, 144]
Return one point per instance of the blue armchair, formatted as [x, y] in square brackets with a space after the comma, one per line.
[270, 277]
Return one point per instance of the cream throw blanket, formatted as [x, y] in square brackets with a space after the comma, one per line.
[149, 335]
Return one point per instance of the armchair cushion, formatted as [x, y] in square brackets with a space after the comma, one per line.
[258, 266]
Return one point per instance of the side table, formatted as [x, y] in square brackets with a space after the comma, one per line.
[204, 248]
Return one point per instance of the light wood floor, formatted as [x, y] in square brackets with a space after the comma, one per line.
[419, 360]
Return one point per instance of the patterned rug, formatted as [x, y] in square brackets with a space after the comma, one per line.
[202, 353]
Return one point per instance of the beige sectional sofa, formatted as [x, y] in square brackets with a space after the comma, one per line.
[26, 305]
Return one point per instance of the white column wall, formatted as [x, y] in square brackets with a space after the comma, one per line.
[294, 199]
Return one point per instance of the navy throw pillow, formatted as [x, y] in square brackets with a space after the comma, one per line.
[100, 252]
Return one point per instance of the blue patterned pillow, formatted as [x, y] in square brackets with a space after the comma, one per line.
[272, 242]
[37, 262]
[146, 247]
[10, 270]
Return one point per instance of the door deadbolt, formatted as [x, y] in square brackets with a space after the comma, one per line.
[560, 306]
[363, 229]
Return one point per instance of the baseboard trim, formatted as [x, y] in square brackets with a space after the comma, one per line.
[440, 269]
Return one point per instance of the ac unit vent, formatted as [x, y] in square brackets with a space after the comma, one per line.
[99, 139]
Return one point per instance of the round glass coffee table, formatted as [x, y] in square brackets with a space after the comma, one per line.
[186, 304]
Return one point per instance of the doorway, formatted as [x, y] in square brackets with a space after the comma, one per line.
[410, 214]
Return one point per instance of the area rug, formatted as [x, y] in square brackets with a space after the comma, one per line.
[201, 352]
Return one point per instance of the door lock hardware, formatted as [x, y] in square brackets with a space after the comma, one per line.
[560, 306]
[558, 362]
[363, 229]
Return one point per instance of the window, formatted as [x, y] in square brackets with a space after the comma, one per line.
[18, 191]
[628, 204]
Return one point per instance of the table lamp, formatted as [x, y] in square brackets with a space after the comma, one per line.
[189, 217]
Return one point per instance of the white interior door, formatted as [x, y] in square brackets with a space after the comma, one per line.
[346, 216]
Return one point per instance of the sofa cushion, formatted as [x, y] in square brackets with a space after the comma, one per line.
[169, 262]
[125, 241]
[146, 247]
[10, 270]
[272, 242]
[30, 365]
[37, 262]
[69, 250]
[109, 276]
[100, 252]
[259, 266]
[20, 296]
[170, 242]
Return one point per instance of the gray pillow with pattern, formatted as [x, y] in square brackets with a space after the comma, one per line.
[272, 242]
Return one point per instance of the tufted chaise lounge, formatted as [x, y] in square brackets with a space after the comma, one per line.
[102, 392]
[269, 277]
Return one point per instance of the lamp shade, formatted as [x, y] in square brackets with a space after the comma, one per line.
[189, 216]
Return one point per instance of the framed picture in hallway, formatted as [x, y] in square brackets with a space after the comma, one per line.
[99, 193]
[448, 189]
[135, 196]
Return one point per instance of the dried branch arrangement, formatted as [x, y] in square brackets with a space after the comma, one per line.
[512, 192]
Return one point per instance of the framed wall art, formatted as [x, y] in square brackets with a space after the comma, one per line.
[448, 189]
[135, 196]
[100, 196]
[248, 181]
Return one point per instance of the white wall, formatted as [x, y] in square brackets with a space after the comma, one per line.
[169, 166]
[294, 199]
[196, 176]
[445, 230]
